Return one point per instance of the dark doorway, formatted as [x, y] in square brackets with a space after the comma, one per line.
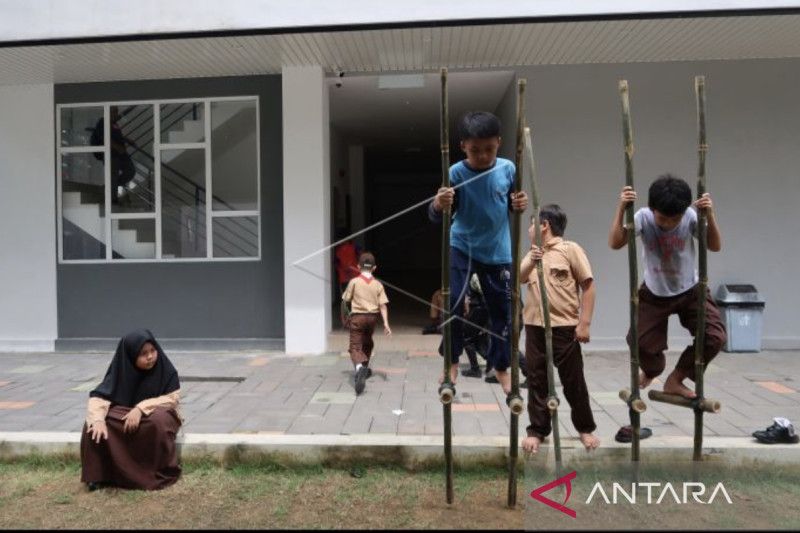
[407, 248]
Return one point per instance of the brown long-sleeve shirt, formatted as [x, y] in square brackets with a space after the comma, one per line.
[97, 408]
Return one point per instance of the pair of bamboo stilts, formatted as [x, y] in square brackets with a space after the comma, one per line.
[630, 396]
[447, 390]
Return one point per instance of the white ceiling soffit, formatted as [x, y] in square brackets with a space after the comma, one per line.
[411, 49]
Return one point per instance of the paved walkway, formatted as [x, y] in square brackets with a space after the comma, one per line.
[275, 394]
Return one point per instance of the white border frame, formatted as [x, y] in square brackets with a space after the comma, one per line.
[157, 147]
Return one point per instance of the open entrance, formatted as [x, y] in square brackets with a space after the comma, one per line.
[385, 158]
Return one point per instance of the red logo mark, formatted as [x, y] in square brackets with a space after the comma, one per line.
[564, 480]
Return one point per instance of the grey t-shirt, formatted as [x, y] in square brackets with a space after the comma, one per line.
[669, 256]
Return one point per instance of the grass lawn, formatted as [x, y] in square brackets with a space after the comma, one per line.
[47, 493]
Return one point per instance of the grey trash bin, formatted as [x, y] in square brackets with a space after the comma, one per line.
[742, 309]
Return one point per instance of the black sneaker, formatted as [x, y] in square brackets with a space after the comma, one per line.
[491, 377]
[472, 373]
[625, 434]
[781, 432]
[369, 372]
[524, 384]
[361, 379]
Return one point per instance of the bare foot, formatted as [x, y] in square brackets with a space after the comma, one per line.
[504, 377]
[674, 385]
[453, 375]
[590, 442]
[644, 381]
[531, 444]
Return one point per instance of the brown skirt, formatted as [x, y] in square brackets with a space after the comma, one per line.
[145, 459]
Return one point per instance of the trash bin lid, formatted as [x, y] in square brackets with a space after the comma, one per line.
[739, 295]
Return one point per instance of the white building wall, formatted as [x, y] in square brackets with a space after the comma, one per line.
[753, 170]
[306, 209]
[27, 219]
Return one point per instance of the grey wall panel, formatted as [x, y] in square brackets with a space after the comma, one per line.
[186, 300]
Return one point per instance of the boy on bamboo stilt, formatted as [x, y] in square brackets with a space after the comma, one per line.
[367, 299]
[571, 293]
[480, 198]
[670, 286]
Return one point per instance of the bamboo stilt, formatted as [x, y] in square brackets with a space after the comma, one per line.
[552, 399]
[706, 405]
[637, 404]
[633, 275]
[447, 390]
[702, 235]
[514, 400]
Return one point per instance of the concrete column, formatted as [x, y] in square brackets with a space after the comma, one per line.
[306, 209]
[28, 305]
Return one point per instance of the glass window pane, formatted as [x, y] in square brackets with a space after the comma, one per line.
[183, 203]
[133, 239]
[234, 156]
[83, 206]
[235, 236]
[132, 168]
[182, 123]
[82, 126]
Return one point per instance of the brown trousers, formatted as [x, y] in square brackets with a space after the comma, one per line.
[568, 359]
[654, 312]
[362, 326]
[145, 459]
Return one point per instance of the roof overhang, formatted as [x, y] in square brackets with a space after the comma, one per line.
[415, 48]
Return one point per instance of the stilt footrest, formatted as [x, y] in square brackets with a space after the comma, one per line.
[699, 404]
[637, 404]
[446, 393]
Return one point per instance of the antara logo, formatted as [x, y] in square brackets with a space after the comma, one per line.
[693, 490]
[563, 480]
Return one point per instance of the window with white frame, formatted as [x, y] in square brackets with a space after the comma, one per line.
[168, 180]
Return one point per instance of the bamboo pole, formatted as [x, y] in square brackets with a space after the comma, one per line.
[447, 390]
[552, 397]
[633, 275]
[514, 400]
[702, 235]
[706, 405]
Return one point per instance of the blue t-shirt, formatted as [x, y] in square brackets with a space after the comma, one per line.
[480, 223]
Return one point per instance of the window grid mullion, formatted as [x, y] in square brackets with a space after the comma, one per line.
[209, 196]
[107, 177]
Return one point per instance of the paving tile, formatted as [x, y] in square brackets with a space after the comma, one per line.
[342, 398]
[30, 369]
[319, 360]
[775, 387]
[85, 387]
[16, 405]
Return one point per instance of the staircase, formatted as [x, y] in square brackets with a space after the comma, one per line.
[129, 241]
[83, 204]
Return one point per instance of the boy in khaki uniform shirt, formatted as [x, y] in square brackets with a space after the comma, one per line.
[367, 300]
[570, 291]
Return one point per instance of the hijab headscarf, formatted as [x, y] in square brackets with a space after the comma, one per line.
[125, 384]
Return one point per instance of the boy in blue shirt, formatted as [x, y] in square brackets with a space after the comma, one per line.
[481, 197]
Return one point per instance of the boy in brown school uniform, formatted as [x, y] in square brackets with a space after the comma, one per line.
[570, 291]
[367, 299]
[668, 229]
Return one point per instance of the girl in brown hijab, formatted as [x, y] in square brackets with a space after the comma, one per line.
[132, 419]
